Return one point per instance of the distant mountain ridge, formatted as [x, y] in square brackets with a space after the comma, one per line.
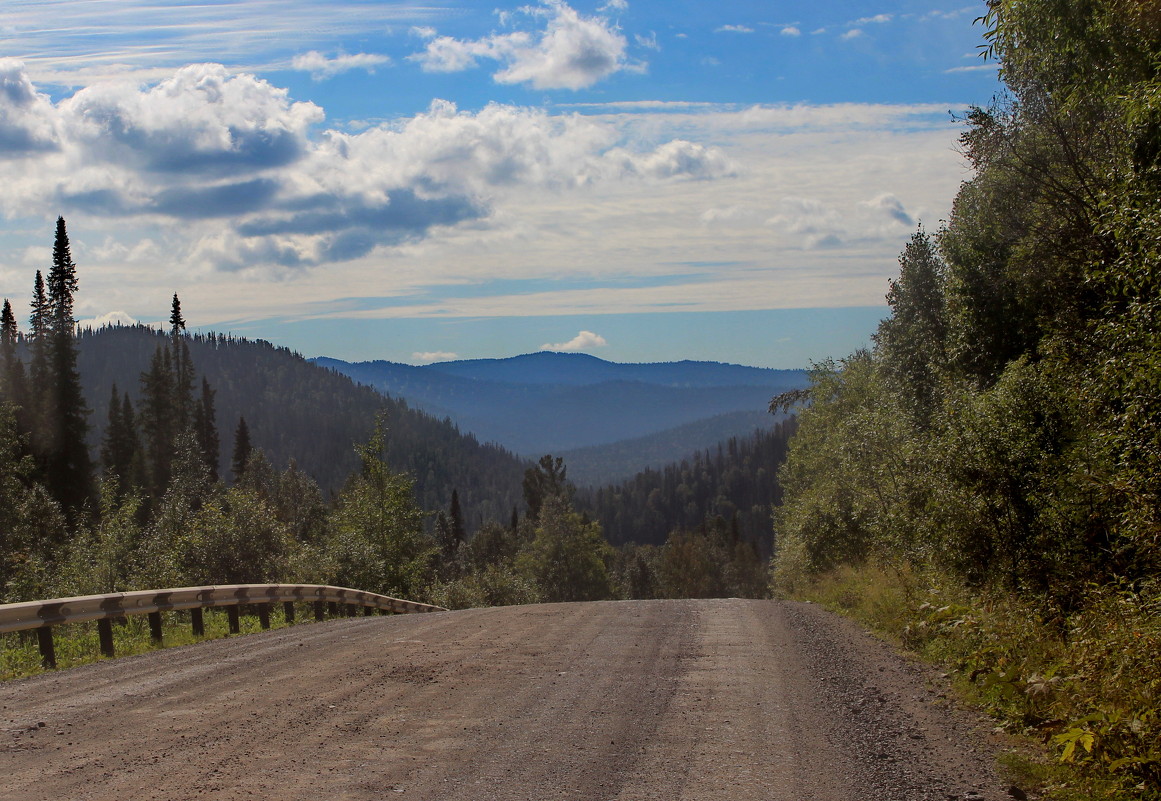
[578, 369]
[549, 402]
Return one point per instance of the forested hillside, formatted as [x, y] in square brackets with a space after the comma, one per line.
[1005, 430]
[600, 465]
[736, 481]
[297, 410]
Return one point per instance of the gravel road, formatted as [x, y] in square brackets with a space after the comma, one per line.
[641, 700]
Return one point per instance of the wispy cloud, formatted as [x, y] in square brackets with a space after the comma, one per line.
[649, 42]
[734, 29]
[585, 340]
[570, 52]
[853, 33]
[877, 19]
[146, 41]
[790, 30]
[320, 67]
[991, 66]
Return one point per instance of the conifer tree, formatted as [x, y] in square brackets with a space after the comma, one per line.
[12, 380]
[183, 371]
[207, 430]
[68, 465]
[120, 447]
[157, 419]
[456, 518]
[38, 368]
[242, 449]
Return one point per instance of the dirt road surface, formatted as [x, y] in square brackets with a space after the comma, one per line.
[641, 700]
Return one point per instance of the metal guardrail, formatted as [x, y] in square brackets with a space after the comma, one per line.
[43, 615]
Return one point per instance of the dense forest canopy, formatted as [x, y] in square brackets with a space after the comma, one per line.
[1005, 428]
[1007, 422]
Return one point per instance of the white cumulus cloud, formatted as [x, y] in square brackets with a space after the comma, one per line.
[570, 52]
[427, 357]
[791, 30]
[585, 340]
[239, 168]
[26, 116]
[110, 318]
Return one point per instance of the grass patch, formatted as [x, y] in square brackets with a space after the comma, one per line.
[1082, 690]
[77, 643]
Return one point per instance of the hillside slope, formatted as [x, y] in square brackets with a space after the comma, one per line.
[298, 410]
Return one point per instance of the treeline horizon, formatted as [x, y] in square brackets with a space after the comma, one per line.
[313, 478]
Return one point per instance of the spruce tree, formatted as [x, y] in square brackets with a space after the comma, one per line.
[207, 430]
[120, 447]
[156, 415]
[38, 368]
[456, 518]
[183, 371]
[68, 465]
[12, 380]
[242, 449]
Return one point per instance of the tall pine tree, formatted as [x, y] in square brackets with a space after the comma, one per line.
[38, 336]
[183, 371]
[68, 467]
[12, 379]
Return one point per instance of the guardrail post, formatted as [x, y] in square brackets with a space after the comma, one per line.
[155, 626]
[197, 621]
[44, 642]
[332, 609]
[351, 611]
[368, 611]
[232, 614]
[288, 611]
[105, 635]
[264, 615]
[319, 611]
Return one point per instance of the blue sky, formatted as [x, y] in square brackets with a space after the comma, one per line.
[643, 181]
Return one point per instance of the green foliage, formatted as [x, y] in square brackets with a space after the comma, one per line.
[547, 479]
[377, 538]
[494, 585]
[568, 559]
[1086, 683]
[712, 562]
[234, 538]
[100, 558]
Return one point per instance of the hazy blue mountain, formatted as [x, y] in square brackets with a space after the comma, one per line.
[555, 402]
[577, 369]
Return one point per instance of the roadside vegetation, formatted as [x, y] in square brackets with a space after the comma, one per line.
[985, 482]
